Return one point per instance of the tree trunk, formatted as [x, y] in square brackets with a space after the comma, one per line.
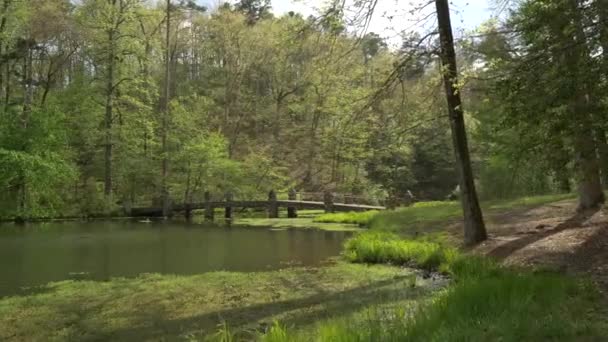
[107, 189]
[602, 153]
[589, 184]
[5, 6]
[474, 228]
[602, 144]
[28, 85]
[165, 110]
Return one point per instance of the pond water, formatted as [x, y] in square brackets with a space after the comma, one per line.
[36, 254]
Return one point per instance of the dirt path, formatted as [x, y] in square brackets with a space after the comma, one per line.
[554, 236]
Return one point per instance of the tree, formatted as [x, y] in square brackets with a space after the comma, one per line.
[165, 112]
[474, 228]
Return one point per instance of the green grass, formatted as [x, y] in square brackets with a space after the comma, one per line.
[294, 223]
[485, 302]
[431, 216]
[165, 307]
[380, 247]
[360, 218]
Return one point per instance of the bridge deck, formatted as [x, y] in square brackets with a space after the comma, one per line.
[341, 207]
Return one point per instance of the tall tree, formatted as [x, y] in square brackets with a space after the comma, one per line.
[165, 112]
[474, 228]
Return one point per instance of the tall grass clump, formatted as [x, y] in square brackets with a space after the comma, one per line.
[360, 218]
[382, 247]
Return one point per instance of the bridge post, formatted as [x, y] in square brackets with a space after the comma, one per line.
[292, 212]
[273, 208]
[209, 210]
[187, 211]
[228, 208]
[328, 199]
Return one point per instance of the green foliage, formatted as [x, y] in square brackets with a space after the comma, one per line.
[33, 165]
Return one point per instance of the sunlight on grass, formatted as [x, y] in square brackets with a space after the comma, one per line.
[379, 247]
[166, 307]
[360, 218]
[430, 217]
[486, 302]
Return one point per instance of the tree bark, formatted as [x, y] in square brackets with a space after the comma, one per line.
[5, 6]
[165, 110]
[600, 132]
[602, 153]
[474, 228]
[589, 183]
[109, 110]
[28, 84]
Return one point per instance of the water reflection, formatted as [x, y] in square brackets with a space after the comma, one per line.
[38, 253]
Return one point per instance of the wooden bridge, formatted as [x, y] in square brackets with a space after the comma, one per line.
[272, 205]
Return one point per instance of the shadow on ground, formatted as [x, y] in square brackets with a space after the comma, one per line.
[575, 222]
[297, 312]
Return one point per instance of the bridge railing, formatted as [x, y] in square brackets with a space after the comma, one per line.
[292, 200]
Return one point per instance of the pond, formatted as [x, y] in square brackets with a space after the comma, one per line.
[36, 254]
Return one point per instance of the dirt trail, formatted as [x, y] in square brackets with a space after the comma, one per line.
[552, 235]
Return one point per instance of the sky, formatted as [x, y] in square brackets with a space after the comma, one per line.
[391, 17]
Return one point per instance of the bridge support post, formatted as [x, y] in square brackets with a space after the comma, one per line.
[328, 199]
[292, 212]
[188, 212]
[209, 210]
[273, 208]
[228, 208]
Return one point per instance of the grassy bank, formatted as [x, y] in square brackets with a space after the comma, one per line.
[307, 219]
[428, 215]
[191, 307]
[485, 302]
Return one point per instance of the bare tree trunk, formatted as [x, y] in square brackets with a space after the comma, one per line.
[602, 143]
[5, 6]
[7, 87]
[165, 110]
[28, 85]
[589, 181]
[109, 111]
[602, 152]
[474, 228]
[28, 94]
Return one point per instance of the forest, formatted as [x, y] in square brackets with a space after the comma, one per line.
[108, 102]
[478, 158]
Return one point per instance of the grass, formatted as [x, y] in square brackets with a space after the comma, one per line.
[360, 218]
[165, 307]
[371, 299]
[431, 216]
[380, 248]
[485, 302]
